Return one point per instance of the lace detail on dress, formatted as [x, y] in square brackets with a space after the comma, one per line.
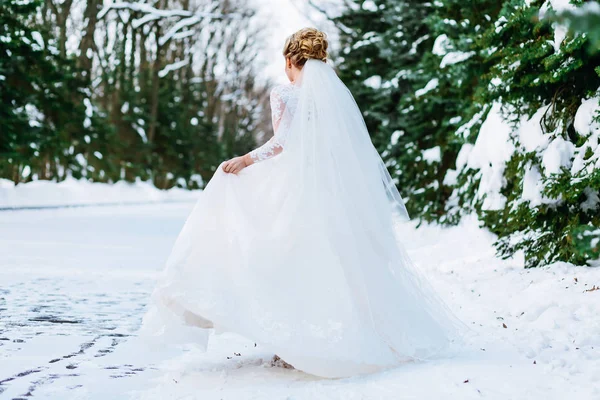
[267, 150]
[283, 97]
[283, 100]
[277, 106]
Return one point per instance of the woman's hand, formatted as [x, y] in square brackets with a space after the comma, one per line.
[237, 164]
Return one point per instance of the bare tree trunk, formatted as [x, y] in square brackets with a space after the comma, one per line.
[16, 174]
[87, 41]
[144, 62]
[62, 15]
[156, 67]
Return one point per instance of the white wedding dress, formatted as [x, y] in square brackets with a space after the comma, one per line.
[298, 252]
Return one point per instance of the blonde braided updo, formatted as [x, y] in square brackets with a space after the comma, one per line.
[307, 43]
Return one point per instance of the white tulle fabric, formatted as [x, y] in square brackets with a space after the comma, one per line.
[298, 252]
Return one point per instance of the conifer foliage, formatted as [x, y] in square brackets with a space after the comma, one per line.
[110, 91]
[38, 87]
[486, 107]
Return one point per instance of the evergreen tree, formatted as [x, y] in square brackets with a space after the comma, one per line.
[542, 75]
[466, 72]
[138, 104]
[442, 112]
[414, 97]
[22, 62]
[42, 114]
[365, 66]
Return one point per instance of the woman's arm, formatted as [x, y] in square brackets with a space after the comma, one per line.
[268, 150]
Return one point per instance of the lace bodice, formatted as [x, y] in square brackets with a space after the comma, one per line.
[283, 101]
[282, 97]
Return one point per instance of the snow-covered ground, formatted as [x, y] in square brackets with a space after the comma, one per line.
[72, 192]
[74, 284]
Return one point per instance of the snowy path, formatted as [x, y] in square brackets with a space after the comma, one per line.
[74, 284]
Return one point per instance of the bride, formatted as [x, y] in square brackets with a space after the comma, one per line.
[293, 244]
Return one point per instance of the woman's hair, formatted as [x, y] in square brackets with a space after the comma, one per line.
[305, 44]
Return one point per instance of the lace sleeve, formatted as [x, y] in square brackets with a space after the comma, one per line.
[273, 145]
[277, 107]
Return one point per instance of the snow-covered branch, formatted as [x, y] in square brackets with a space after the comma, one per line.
[172, 67]
[155, 13]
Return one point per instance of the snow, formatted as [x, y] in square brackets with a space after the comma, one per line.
[462, 157]
[492, 149]
[451, 177]
[586, 125]
[73, 192]
[368, 38]
[587, 8]
[157, 13]
[26, 171]
[441, 45]
[432, 84]
[89, 108]
[414, 45]
[373, 82]
[369, 5]
[532, 187]
[561, 5]
[184, 23]
[173, 67]
[75, 284]
[500, 23]
[592, 201]
[396, 135]
[144, 20]
[560, 30]
[433, 155]
[455, 120]
[455, 57]
[584, 122]
[142, 133]
[560, 33]
[464, 130]
[38, 39]
[450, 22]
[530, 133]
[184, 34]
[81, 159]
[35, 116]
[557, 155]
